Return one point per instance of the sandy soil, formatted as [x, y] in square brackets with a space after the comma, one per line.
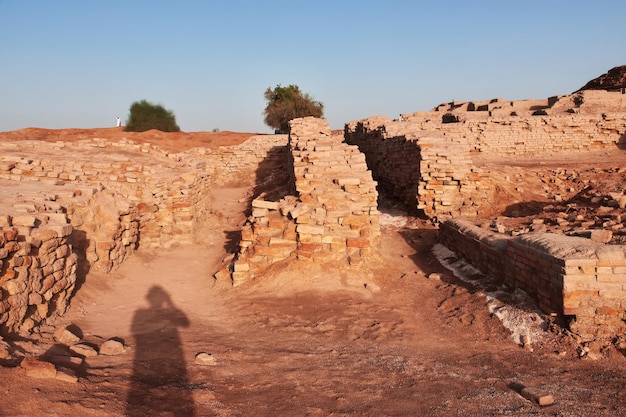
[307, 340]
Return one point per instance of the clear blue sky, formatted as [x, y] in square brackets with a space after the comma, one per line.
[81, 63]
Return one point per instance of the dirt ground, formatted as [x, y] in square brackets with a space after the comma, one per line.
[307, 340]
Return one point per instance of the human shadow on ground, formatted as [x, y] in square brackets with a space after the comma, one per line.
[159, 383]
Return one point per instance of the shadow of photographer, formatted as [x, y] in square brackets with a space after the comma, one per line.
[159, 382]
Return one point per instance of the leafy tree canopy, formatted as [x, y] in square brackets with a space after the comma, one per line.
[288, 103]
[145, 116]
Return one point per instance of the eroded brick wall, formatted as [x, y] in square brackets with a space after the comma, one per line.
[426, 170]
[511, 136]
[430, 165]
[107, 198]
[37, 273]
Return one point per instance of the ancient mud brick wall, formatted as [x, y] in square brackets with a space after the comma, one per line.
[429, 164]
[37, 270]
[238, 164]
[483, 249]
[426, 170]
[148, 195]
[105, 226]
[163, 186]
[334, 215]
[107, 198]
[568, 276]
[172, 192]
[523, 136]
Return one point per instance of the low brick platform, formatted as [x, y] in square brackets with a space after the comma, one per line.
[568, 276]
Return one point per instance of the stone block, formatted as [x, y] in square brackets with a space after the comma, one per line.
[24, 220]
[262, 204]
[222, 275]
[36, 368]
[260, 212]
[84, 350]
[537, 396]
[61, 230]
[67, 335]
[241, 267]
[357, 243]
[239, 278]
[111, 347]
[276, 242]
[310, 229]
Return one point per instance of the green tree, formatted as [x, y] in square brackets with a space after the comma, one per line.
[145, 116]
[288, 103]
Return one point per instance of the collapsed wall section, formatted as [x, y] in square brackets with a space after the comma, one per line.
[334, 215]
[37, 272]
[568, 276]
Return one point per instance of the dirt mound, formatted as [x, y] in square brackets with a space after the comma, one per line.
[169, 141]
[612, 80]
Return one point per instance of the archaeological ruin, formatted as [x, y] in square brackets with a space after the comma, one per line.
[71, 207]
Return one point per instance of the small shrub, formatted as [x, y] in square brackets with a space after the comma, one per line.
[145, 116]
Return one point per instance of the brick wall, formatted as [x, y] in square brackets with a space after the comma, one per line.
[334, 215]
[534, 135]
[102, 199]
[429, 164]
[427, 170]
[568, 276]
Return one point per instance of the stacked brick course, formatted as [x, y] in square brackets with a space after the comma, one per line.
[568, 276]
[334, 216]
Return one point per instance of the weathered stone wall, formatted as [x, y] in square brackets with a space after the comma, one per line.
[334, 216]
[171, 191]
[568, 276]
[37, 271]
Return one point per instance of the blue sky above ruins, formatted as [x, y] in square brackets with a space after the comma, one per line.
[82, 63]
